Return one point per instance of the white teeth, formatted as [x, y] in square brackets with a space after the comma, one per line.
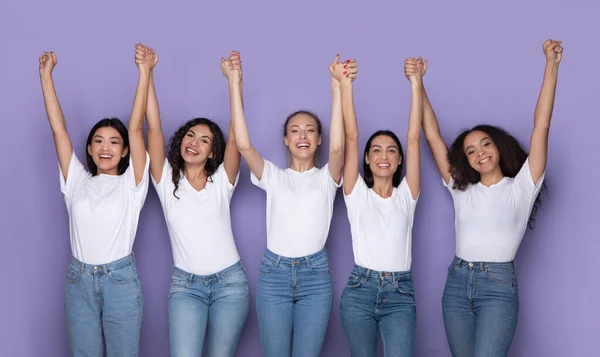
[302, 145]
[105, 157]
[191, 151]
[383, 165]
[484, 160]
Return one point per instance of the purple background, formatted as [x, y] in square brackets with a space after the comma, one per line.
[485, 65]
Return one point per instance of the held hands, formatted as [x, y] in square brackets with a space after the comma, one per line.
[553, 51]
[414, 69]
[342, 72]
[232, 67]
[145, 58]
[47, 63]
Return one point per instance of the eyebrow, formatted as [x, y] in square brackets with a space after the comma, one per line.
[471, 146]
[102, 137]
[389, 146]
[203, 136]
[296, 125]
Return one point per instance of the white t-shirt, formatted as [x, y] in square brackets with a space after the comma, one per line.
[103, 211]
[490, 221]
[299, 208]
[381, 227]
[199, 222]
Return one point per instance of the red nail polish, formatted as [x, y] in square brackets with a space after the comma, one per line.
[345, 66]
[345, 72]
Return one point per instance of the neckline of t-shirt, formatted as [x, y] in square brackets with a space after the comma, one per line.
[107, 175]
[192, 186]
[303, 172]
[493, 185]
[381, 198]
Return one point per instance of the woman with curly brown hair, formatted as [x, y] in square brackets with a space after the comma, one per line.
[495, 186]
[195, 183]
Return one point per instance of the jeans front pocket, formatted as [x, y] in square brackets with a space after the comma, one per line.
[124, 275]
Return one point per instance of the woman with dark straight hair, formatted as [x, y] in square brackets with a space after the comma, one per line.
[379, 295]
[103, 296]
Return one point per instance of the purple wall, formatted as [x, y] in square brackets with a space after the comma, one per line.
[485, 65]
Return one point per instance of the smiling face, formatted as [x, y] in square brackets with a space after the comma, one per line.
[383, 157]
[107, 150]
[197, 145]
[481, 152]
[302, 136]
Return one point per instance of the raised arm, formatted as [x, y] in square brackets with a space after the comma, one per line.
[231, 161]
[145, 61]
[346, 73]
[538, 151]
[156, 139]
[238, 120]
[62, 142]
[431, 128]
[413, 159]
[336, 128]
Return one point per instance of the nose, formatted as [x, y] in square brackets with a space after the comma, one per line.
[302, 134]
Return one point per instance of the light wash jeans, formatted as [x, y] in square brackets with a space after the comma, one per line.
[481, 307]
[214, 305]
[103, 300]
[293, 303]
[384, 301]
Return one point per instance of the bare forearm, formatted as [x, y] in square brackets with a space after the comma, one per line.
[336, 134]
[416, 111]
[54, 112]
[238, 119]
[545, 103]
[140, 102]
[431, 126]
[349, 112]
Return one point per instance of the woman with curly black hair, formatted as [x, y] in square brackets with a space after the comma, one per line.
[495, 186]
[195, 182]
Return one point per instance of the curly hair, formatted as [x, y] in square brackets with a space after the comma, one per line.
[122, 129]
[319, 128]
[368, 174]
[176, 160]
[512, 158]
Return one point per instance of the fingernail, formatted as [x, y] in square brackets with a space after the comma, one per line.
[345, 72]
[348, 61]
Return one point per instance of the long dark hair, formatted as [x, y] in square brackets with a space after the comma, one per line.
[122, 129]
[512, 158]
[212, 164]
[368, 174]
[315, 118]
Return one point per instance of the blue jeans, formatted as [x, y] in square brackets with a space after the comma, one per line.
[375, 300]
[103, 300]
[481, 307]
[213, 305]
[293, 301]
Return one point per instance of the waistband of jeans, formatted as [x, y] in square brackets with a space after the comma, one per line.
[108, 267]
[227, 271]
[459, 262]
[281, 260]
[394, 275]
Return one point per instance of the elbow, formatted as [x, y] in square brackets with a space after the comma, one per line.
[244, 147]
[352, 136]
